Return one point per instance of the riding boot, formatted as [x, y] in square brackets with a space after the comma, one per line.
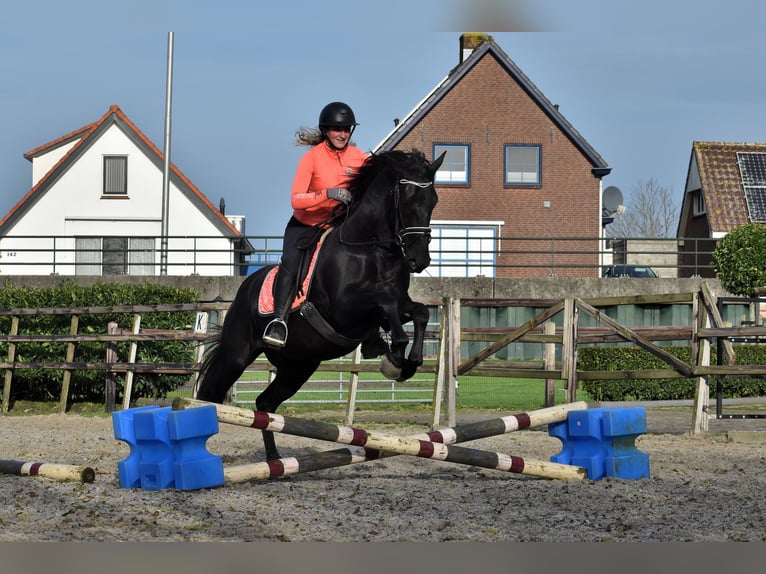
[275, 334]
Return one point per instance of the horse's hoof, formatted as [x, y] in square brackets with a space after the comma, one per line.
[389, 370]
[408, 371]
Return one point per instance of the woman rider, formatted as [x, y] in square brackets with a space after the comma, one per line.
[319, 186]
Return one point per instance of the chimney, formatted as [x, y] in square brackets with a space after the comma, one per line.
[469, 41]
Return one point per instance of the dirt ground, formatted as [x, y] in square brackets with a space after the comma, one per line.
[704, 488]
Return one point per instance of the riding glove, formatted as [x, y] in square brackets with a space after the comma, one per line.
[342, 195]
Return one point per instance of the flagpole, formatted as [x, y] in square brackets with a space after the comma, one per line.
[166, 166]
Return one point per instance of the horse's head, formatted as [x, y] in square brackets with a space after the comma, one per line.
[393, 198]
[415, 199]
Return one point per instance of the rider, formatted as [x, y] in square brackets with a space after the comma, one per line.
[318, 188]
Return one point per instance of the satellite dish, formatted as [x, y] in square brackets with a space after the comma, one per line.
[611, 199]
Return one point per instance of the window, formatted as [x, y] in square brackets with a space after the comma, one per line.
[115, 175]
[699, 202]
[454, 168]
[466, 250]
[87, 256]
[114, 256]
[522, 164]
[141, 256]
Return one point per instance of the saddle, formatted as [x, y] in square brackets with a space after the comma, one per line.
[306, 272]
[372, 346]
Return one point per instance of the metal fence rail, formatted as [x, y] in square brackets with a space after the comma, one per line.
[188, 254]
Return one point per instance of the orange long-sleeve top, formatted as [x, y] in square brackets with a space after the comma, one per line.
[321, 168]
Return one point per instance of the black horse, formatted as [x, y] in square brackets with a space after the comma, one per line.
[359, 285]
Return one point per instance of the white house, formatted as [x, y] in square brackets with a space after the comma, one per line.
[96, 208]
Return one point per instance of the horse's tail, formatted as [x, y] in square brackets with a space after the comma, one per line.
[212, 345]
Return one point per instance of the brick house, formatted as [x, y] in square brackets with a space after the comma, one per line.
[725, 188]
[518, 182]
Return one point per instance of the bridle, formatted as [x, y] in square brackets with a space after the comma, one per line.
[400, 230]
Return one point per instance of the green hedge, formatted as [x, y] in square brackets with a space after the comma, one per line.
[88, 385]
[635, 358]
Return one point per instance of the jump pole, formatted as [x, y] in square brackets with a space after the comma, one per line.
[401, 445]
[464, 432]
[60, 472]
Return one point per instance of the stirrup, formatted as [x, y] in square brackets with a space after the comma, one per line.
[275, 333]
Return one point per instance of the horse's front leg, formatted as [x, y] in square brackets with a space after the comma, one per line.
[395, 365]
[393, 360]
[419, 314]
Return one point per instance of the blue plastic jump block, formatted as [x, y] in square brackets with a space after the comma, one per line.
[167, 448]
[128, 469]
[603, 442]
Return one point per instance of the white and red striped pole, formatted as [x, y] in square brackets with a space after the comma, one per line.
[413, 446]
[53, 471]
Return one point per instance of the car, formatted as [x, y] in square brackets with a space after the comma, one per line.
[640, 271]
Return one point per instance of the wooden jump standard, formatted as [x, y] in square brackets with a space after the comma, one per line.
[423, 448]
[60, 472]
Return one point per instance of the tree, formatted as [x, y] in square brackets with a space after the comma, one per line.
[649, 213]
[739, 259]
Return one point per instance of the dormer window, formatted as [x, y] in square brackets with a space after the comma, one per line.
[115, 175]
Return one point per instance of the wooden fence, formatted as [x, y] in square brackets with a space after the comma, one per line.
[706, 326]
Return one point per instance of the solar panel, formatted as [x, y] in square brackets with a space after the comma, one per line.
[752, 169]
[756, 203]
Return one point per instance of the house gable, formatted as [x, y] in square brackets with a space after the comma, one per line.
[99, 209]
[457, 75]
[487, 109]
[714, 176]
[64, 153]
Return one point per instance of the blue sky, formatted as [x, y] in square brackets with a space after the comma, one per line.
[640, 81]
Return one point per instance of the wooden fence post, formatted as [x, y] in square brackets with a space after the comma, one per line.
[549, 358]
[131, 359]
[352, 387]
[701, 407]
[110, 380]
[64, 398]
[569, 349]
[11, 358]
[453, 358]
[200, 326]
[441, 369]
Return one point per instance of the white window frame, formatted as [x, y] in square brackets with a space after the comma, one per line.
[456, 167]
[463, 248]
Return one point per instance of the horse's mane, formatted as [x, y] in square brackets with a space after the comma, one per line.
[412, 163]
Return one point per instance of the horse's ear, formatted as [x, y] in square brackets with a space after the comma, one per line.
[438, 161]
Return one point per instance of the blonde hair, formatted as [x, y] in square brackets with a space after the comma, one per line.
[309, 136]
[312, 137]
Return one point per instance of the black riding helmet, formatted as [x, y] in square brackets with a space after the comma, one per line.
[337, 115]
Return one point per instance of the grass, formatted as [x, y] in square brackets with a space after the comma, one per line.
[329, 391]
[473, 393]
